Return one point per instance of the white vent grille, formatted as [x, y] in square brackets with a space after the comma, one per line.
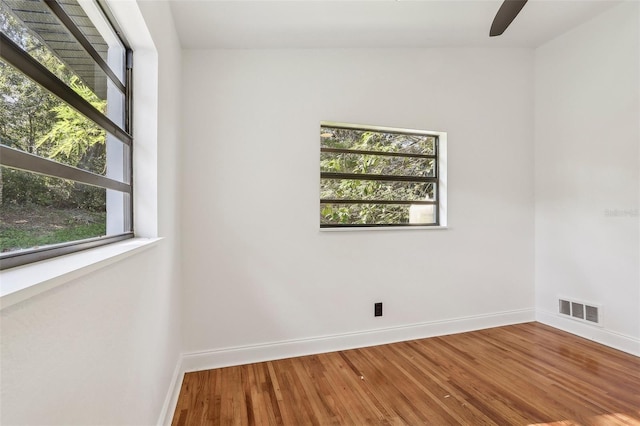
[585, 312]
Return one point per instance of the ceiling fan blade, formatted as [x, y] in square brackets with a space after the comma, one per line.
[506, 14]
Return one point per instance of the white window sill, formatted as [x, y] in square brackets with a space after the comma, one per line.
[383, 228]
[21, 283]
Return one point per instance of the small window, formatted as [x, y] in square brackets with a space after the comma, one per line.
[65, 137]
[379, 176]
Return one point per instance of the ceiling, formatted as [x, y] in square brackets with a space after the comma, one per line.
[372, 23]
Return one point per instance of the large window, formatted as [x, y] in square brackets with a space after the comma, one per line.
[379, 177]
[65, 136]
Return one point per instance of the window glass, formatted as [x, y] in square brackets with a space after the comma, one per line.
[91, 21]
[39, 210]
[65, 181]
[353, 189]
[372, 176]
[373, 215]
[382, 141]
[376, 164]
[38, 32]
[37, 122]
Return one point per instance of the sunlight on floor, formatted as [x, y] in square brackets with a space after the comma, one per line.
[604, 419]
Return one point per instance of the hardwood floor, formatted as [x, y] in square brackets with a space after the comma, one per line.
[515, 375]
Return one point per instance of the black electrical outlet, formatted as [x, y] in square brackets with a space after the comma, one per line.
[377, 309]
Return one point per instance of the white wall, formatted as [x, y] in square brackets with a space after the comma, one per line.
[102, 349]
[587, 175]
[259, 271]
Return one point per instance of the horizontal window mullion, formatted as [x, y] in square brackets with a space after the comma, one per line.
[14, 158]
[389, 178]
[381, 153]
[15, 56]
[19, 258]
[353, 201]
[88, 47]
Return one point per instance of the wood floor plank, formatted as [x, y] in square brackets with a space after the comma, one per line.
[471, 398]
[272, 389]
[524, 374]
[440, 390]
[346, 387]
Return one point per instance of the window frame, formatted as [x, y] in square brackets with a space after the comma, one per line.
[439, 178]
[16, 57]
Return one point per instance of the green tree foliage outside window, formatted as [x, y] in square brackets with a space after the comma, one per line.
[376, 178]
[35, 121]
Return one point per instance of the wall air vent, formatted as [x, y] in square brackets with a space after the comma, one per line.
[591, 313]
[577, 310]
[584, 312]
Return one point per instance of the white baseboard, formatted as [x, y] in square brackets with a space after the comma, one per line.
[601, 335]
[226, 357]
[171, 399]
